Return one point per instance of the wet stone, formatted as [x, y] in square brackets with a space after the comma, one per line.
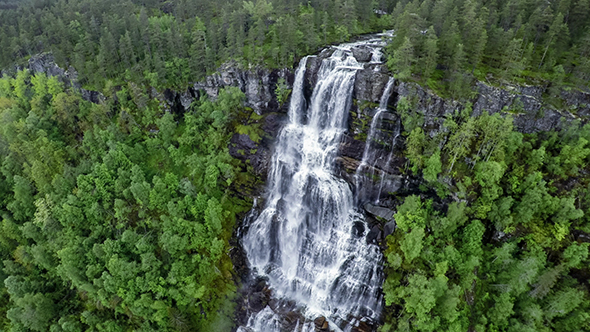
[374, 235]
[380, 212]
[321, 324]
[358, 229]
[389, 228]
[362, 53]
[362, 327]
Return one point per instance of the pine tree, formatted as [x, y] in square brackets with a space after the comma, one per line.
[126, 52]
[459, 80]
[402, 60]
[449, 41]
[108, 54]
[556, 28]
[512, 59]
[430, 58]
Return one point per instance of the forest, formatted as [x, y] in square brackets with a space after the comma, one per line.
[498, 240]
[109, 223]
[117, 216]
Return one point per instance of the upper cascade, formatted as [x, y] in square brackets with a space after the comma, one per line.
[307, 241]
[370, 157]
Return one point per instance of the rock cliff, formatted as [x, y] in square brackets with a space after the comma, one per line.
[45, 63]
[525, 103]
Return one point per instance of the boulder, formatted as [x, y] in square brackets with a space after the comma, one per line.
[258, 301]
[358, 229]
[362, 53]
[375, 235]
[362, 327]
[321, 324]
[326, 52]
[389, 228]
[380, 212]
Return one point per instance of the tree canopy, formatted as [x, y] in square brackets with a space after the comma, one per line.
[114, 221]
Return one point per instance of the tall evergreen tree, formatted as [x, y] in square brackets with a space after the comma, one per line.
[403, 59]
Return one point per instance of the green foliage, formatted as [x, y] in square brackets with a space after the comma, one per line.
[415, 144]
[500, 249]
[108, 224]
[171, 45]
[433, 167]
[282, 91]
[402, 60]
[504, 41]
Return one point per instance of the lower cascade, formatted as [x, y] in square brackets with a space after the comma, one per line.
[306, 241]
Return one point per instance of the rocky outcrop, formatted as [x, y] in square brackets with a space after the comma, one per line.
[370, 83]
[362, 53]
[577, 102]
[380, 212]
[524, 103]
[321, 324]
[45, 63]
[259, 85]
[385, 225]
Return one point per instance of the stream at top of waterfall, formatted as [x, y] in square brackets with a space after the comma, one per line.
[303, 242]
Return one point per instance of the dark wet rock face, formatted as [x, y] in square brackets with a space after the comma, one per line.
[273, 122]
[369, 84]
[362, 53]
[259, 85]
[380, 212]
[375, 236]
[349, 147]
[389, 228]
[243, 148]
[531, 114]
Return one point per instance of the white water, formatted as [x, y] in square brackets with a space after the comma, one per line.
[365, 173]
[303, 241]
[390, 157]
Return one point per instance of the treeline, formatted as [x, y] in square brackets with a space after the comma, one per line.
[115, 216]
[498, 239]
[445, 44]
[449, 43]
[171, 43]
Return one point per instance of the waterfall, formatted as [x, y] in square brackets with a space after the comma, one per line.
[398, 129]
[370, 159]
[307, 240]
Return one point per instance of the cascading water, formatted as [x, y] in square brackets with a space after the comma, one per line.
[370, 158]
[304, 241]
[396, 134]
